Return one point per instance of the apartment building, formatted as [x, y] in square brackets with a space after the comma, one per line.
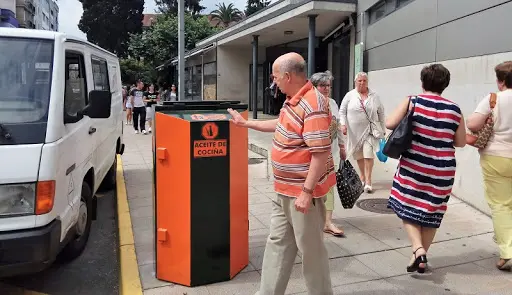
[36, 14]
[46, 17]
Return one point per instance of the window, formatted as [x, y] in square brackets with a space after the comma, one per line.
[100, 74]
[75, 98]
[25, 79]
[401, 3]
[385, 7]
[210, 81]
[114, 82]
[378, 11]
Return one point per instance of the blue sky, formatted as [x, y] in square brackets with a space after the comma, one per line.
[70, 12]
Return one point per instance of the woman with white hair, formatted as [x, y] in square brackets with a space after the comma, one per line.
[362, 121]
[322, 82]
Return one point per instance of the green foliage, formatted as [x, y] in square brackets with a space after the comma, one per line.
[133, 70]
[255, 6]
[171, 6]
[109, 23]
[159, 43]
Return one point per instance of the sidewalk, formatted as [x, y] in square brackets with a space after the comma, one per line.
[370, 260]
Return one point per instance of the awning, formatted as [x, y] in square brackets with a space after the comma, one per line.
[191, 53]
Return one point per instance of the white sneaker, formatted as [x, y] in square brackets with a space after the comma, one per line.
[149, 129]
[136, 131]
[144, 132]
[368, 189]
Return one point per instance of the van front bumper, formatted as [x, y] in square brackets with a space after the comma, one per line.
[29, 250]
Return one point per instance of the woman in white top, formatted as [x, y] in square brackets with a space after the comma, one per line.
[496, 161]
[322, 81]
[173, 95]
[362, 120]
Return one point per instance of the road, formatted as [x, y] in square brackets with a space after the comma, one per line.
[96, 271]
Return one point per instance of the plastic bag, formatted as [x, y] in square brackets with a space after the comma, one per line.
[380, 155]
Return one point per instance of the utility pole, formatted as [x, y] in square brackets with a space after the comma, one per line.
[181, 50]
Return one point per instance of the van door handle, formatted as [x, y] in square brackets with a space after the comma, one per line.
[92, 130]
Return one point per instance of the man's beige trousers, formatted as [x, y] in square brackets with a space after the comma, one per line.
[290, 231]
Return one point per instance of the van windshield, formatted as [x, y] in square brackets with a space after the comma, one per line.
[25, 79]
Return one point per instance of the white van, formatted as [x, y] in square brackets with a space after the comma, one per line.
[60, 131]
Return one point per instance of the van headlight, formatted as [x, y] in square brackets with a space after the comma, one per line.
[16, 199]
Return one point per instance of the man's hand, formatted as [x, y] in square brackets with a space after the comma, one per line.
[303, 202]
[237, 119]
[344, 129]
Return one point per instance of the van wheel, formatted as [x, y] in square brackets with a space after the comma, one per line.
[76, 246]
[110, 180]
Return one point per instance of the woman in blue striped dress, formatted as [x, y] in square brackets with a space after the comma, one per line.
[425, 174]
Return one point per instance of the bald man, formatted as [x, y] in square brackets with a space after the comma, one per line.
[304, 173]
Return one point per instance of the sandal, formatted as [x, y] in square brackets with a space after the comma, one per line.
[328, 230]
[415, 266]
[505, 266]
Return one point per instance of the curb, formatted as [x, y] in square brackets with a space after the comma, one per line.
[129, 279]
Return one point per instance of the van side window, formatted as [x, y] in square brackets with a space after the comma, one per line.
[100, 74]
[114, 79]
[75, 98]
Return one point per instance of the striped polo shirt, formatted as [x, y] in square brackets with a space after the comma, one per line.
[302, 129]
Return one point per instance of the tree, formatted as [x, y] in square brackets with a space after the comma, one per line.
[133, 70]
[255, 6]
[109, 23]
[225, 15]
[171, 6]
[159, 42]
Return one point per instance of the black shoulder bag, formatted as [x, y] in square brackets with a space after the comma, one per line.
[400, 139]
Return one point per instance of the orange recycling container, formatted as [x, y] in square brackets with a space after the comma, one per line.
[200, 162]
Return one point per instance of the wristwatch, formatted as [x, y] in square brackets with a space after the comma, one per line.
[307, 190]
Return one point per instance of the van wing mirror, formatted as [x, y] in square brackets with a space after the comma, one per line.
[99, 104]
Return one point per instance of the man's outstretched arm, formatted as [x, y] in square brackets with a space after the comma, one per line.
[263, 126]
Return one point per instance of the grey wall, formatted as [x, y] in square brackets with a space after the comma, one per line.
[435, 30]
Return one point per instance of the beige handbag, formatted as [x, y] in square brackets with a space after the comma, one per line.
[481, 138]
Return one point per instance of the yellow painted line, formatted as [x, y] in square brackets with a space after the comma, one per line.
[129, 278]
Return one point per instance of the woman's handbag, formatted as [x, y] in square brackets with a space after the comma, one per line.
[400, 139]
[481, 138]
[350, 187]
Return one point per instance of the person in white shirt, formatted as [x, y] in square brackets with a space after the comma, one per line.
[496, 160]
[322, 82]
[139, 108]
[363, 122]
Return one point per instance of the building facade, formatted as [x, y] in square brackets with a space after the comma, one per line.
[469, 37]
[47, 12]
[390, 39]
[38, 14]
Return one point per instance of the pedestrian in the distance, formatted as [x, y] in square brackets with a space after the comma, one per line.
[151, 97]
[139, 108]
